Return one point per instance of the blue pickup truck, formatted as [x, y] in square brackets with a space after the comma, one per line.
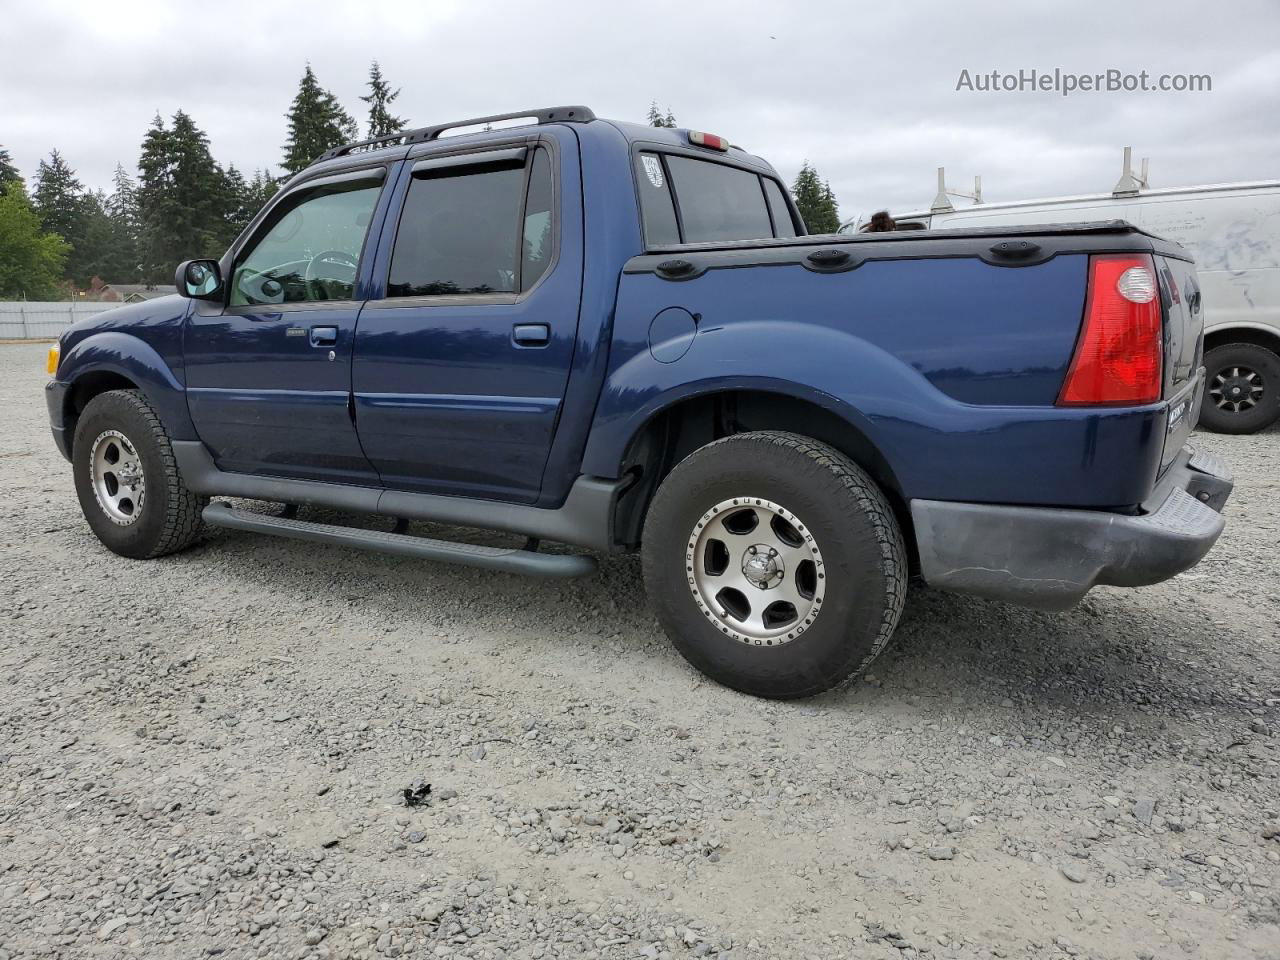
[616, 337]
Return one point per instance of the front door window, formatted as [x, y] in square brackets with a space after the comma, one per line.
[308, 248]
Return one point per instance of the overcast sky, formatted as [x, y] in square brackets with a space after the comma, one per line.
[865, 90]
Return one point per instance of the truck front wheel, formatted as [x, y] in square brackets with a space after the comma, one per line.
[127, 479]
[775, 563]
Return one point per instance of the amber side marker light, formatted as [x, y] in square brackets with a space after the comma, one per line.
[51, 364]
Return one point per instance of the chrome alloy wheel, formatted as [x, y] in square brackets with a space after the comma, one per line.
[118, 483]
[1236, 389]
[755, 571]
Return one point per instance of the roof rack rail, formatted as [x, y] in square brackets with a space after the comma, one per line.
[568, 114]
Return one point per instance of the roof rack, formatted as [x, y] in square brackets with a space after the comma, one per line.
[569, 114]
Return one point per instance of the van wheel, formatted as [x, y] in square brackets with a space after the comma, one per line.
[127, 479]
[1242, 393]
[775, 563]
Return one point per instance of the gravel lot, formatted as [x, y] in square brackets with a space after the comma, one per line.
[205, 755]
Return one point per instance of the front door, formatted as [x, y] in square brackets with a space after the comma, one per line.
[269, 373]
[462, 360]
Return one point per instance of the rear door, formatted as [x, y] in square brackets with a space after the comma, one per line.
[462, 359]
[269, 372]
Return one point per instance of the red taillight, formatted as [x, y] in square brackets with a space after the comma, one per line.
[700, 139]
[1118, 357]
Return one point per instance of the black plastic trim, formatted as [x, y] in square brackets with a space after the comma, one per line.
[508, 560]
[1114, 236]
[478, 158]
[1049, 558]
[832, 260]
[678, 269]
[574, 113]
[585, 519]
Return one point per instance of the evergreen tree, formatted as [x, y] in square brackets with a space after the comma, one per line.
[236, 188]
[154, 200]
[259, 190]
[659, 119]
[247, 198]
[65, 211]
[830, 208]
[121, 206]
[183, 198]
[31, 261]
[381, 122]
[816, 201]
[317, 122]
[126, 230]
[8, 172]
[58, 198]
[99, 254]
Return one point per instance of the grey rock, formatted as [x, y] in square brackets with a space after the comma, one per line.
[1074, 872]
[1143, 809]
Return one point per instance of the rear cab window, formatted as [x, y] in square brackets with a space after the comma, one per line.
[690, 200]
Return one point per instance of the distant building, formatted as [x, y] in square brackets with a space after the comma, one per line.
[129, 292]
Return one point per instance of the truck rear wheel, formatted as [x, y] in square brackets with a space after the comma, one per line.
[127, 479]
[775, 563]
[1242, 394]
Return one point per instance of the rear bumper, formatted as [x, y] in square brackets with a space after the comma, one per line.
[1049, 558]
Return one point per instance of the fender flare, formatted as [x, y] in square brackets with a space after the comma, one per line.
[137, 361]
[641, 388]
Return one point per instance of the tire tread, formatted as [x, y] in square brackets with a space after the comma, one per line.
[874, 505]
[183, 522]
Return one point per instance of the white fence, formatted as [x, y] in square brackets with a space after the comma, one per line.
[29, 320]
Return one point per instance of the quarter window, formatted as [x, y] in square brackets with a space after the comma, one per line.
[535, 243]
[783, 226]
[308, 248]
[657, 209]
[474, 228]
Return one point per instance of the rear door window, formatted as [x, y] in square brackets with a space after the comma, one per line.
[717, 201]
[475, 226]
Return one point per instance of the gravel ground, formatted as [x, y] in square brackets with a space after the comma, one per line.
[205, 755]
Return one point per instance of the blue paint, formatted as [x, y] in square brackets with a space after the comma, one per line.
[949, 367]
[141, 342]
[671, 334]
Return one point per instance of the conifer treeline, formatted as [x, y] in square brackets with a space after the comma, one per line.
[60, 236]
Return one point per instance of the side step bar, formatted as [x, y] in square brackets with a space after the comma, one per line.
[508, 559]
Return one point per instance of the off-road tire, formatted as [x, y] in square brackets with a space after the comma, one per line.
[865, 561]
[169, 517]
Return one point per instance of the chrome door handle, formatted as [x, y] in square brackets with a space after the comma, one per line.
[531, 334]
[324, 336]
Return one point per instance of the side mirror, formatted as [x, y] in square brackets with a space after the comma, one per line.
[199, 279]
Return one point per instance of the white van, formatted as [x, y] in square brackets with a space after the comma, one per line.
[1233, 230]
